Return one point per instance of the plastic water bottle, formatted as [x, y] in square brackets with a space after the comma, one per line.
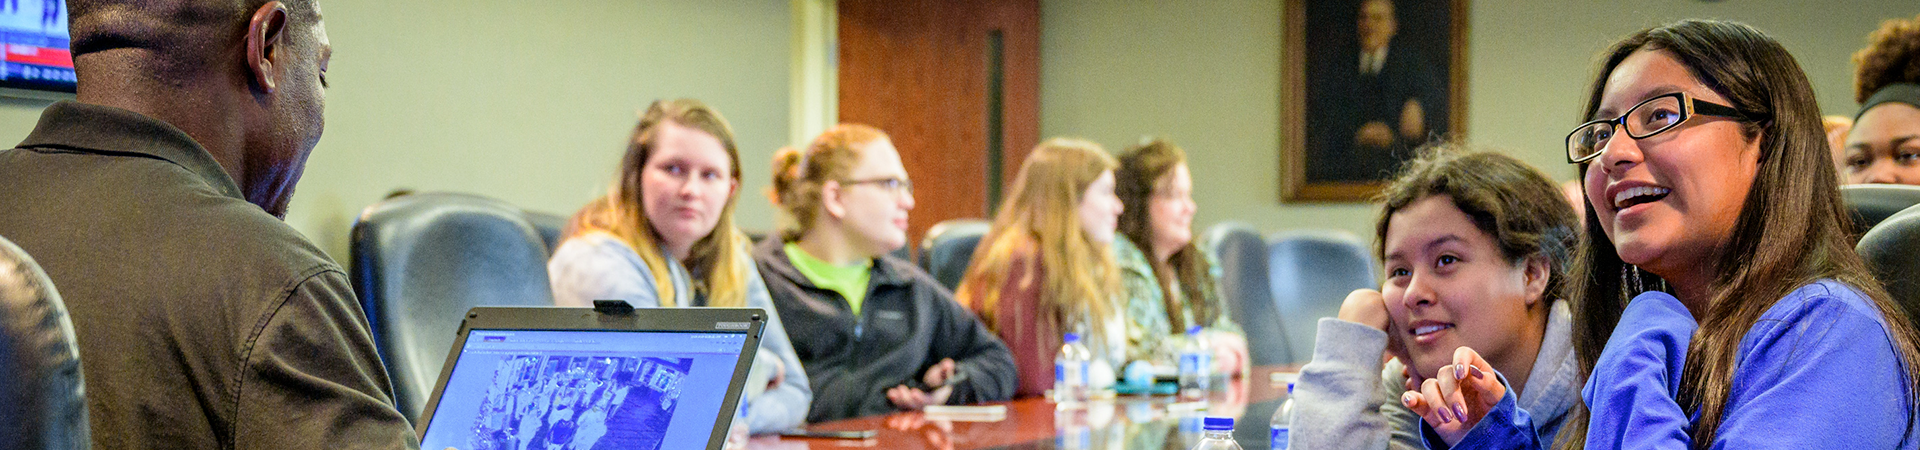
[1219, 435]
[1282, 422]
[1196, 365]
[1070, 371]
[1071, 430]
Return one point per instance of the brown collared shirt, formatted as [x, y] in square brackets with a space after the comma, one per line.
[203, 322]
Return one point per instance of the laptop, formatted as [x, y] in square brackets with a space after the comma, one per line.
[608, 377]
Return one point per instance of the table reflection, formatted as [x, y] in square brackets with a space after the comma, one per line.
[1117, 423]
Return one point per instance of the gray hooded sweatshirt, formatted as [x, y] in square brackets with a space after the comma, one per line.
[1346, 398]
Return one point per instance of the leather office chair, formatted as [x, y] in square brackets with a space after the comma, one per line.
[1311, 273]
[948, 248]
[1243, 286]
[421, 261]
[549, 226]
[1872, 203]
[1892, 250]
[40, 381]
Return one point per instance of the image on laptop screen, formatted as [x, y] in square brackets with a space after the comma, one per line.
[522, 389]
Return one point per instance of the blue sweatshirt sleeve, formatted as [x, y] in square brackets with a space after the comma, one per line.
[1630, 394]
[1818, 371]
[1506, 426]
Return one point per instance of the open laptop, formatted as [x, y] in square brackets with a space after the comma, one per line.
[609, 377]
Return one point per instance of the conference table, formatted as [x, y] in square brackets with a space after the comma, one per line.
[1126, 422]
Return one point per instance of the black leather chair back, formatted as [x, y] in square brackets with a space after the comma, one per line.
[948, 248]
[421, 261]
[1872, 203]
[1311, 273]
[1892, 250]
[40, 383]
[1243, 286]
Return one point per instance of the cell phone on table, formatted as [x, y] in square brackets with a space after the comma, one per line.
[955, 380]
[818, 434]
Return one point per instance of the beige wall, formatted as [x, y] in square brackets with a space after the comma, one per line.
[1208, 79]
[529, 102]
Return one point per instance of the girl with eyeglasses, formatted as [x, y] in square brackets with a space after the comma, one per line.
[1045, 269]
[1718, 303]
[876, 333]
[664, 237]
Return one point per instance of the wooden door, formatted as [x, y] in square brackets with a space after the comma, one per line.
[956, 83]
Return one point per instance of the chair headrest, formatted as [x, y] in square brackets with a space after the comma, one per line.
[1873, 203]
[421, 261]
[40, 380]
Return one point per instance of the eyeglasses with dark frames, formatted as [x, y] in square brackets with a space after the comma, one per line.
[1647, 119]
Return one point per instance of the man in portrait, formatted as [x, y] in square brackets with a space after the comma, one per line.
[1376, 105]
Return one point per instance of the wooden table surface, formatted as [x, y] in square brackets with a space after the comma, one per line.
[1125, 422]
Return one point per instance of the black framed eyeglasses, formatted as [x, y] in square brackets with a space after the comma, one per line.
[1651, 117]
[895, 185]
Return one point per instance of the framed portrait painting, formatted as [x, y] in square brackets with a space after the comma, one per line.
[1367, 83]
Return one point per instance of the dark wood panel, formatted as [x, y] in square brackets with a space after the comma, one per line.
[919, 70]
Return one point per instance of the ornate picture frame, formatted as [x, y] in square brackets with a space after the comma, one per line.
[1365, 83]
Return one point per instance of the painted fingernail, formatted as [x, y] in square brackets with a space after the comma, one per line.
[1477, 373]
[1444, 413]
[1408, 398]
[1460, 411]
[1459, 372]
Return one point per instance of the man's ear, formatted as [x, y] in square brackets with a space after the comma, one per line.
[266, 32]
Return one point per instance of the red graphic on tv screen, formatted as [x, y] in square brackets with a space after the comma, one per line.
[51, 57]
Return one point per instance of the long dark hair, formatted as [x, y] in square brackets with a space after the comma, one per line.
[1791, 231]
[1141, 169]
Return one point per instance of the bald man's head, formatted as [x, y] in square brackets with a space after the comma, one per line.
[172, 38]
[245, 78]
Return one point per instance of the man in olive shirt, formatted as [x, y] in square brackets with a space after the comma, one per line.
[154, 203]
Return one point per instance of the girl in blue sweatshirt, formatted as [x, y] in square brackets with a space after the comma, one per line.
[1718, 302]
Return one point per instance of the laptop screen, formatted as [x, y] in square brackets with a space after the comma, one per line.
[514, 389]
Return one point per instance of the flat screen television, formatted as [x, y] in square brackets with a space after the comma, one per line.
[36, 61]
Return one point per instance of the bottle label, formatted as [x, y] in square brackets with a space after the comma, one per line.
[1279, 438]
[1195, 362]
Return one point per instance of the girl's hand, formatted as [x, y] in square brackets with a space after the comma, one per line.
[1229, 354]
[1365, 307]
[1457, 397]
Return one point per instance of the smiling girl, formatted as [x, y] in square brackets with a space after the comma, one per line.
[1719, 304]
[1475, 249]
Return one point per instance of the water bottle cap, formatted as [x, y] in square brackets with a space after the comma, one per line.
[1193, 330]
[1289, 388]
[1072, 337]
[1218, 423]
